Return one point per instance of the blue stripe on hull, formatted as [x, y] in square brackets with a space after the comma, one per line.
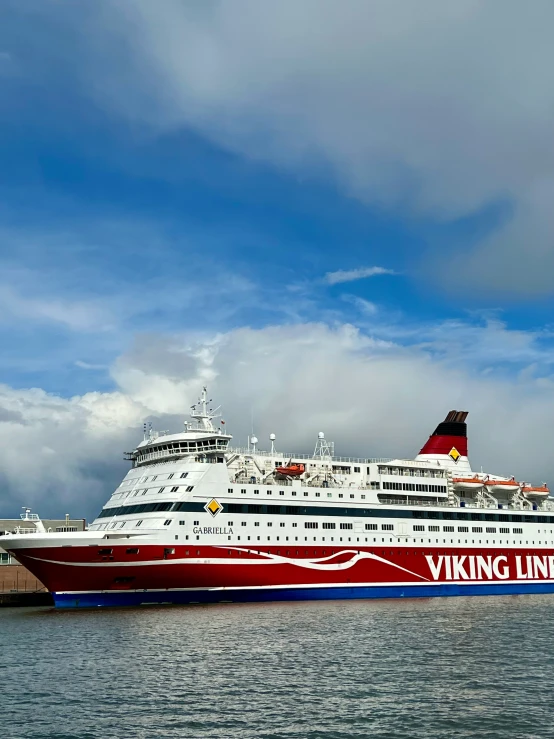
[180, 597]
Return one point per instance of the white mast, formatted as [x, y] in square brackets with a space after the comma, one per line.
[324, 449]
[202, 413]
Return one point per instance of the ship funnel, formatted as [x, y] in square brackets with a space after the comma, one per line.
[448, 442]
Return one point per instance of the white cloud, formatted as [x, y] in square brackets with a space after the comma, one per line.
[428, 108]
[372, 397]
[349, 275]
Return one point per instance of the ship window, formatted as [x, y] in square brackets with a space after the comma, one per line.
[167, 522]
[196, 523]
[346, 526]
[161, 490]
[356, 469]
[305, 493]
[190, 488]
[229, 490]
[351, 495]
[243, 491]
[175, 489]
[311, 525]
[477, 529]
[104, 552]
[418, 528]
[518, 531]
[504, 531]
[132, 550]
[154, 477]
[281, 492]
[463, 529]
[491, 529]
[181, 523]
[184, 474]
[387, 527]
[328, 525]
[434, 528]
[138, 523]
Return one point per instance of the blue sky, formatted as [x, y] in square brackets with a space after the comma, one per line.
[182, 172]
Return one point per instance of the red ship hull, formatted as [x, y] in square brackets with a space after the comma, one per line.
[79, 576]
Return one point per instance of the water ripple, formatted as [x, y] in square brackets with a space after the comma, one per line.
[413, 669]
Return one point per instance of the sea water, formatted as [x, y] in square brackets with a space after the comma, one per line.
[429, 668]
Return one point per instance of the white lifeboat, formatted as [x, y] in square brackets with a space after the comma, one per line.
[503, 486]
[540, 492]
[467, 483]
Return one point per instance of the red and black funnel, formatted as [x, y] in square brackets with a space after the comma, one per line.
[452, 432]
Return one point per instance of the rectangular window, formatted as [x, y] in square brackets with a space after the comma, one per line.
[347, 526]
[387, 527]
[190, 489]
[356, 469]
[229, 490]
[448, 528]
[463, 529]
[418, 528]
[167, 522]
[138, 523]
[328, 525]
[104, 552]
[518, 531]
[504, 531]
[161, 490]
[310, 525]
[175, 489]
[490, 529]
[434, 528]
[477, 529]
[371, 527]
[132, 550]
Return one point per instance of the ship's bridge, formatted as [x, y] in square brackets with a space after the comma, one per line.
[200, 438]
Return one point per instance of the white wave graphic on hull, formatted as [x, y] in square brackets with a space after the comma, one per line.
[321, 563]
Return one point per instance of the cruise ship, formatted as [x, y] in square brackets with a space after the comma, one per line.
[198, 521]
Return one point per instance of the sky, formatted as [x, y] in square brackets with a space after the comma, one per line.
[338, 216]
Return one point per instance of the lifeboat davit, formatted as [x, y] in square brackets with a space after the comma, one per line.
[471, 483]
[503, 486]
[291, 470]
[540, 492]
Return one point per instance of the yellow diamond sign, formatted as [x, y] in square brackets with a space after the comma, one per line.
[213, 507]
[454, 453]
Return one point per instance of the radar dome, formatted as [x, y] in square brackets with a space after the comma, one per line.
[321, 435]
